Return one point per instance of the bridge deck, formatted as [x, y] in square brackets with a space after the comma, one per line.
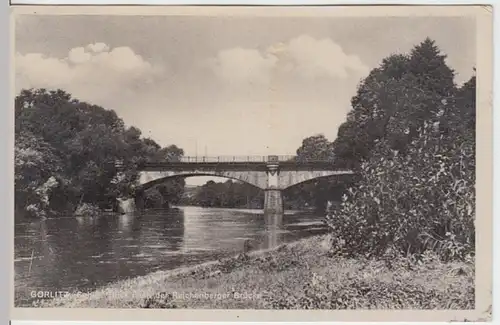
[239, 163]
[242, 166]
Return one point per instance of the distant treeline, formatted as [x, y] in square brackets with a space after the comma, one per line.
[231, 194]
[227, 194]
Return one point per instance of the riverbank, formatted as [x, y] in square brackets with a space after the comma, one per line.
[293, 276]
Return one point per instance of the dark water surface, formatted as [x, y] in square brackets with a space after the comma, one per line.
[81, 254]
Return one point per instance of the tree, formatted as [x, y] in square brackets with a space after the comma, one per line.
[313, 148]
[79, 145]
[428, 65]
[170, 153]
[228, 194]
[466, 102]
[383, 109]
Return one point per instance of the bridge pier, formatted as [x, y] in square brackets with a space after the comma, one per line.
[273, 197]
[273, 202]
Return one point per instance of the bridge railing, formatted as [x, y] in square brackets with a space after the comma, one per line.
[236, 159]
[225, 159]
[228, 159]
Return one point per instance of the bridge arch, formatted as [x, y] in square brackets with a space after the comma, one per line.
[274, 175]
[148, 179]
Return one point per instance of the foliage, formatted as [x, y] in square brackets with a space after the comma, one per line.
[315, 148]
[154, 199]
[318, 192]
[393, 102]
[79, 144]
[416, 191]
[35, 162]
[86, 210]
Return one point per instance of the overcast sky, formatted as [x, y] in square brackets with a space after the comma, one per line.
[225, 86]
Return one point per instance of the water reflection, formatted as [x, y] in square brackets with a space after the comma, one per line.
[274, 230]
[83, 253]
[218, 229]
[125, 223]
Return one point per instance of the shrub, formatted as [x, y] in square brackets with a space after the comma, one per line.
[415, 141]
[413, 202]
[87, 210]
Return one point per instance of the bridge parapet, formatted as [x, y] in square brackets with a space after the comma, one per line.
[282, 160]
[229, 159]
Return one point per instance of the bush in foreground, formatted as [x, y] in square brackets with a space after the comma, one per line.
[416, 191]
[412, 203]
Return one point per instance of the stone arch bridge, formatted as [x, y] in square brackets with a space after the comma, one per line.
[273, 174]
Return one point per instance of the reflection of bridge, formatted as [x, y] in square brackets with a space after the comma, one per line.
[270, 173]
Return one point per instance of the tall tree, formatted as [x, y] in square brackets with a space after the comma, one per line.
[385, 108]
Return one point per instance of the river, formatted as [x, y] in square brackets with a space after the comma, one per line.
[81, 254]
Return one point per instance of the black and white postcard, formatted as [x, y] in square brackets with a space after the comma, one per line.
[252, 163]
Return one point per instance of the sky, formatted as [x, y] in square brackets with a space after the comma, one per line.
[225, 85]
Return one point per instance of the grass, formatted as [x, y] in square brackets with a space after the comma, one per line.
[301, 275]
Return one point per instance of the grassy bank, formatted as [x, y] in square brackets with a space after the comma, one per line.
[294, 276]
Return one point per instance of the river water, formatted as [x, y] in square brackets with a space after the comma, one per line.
[81, 254]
